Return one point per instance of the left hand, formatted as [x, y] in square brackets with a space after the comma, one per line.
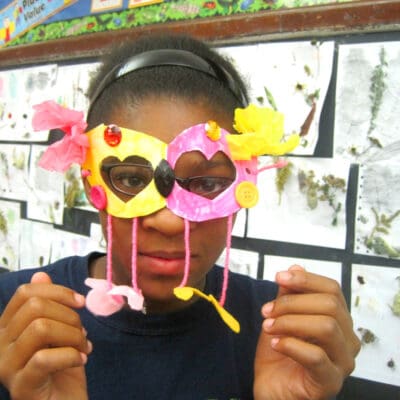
[307, 345]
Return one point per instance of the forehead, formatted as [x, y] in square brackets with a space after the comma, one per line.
[164, 118]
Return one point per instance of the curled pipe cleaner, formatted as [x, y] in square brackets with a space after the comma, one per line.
[187, 253]
[226, 264]
[134, 255]
[109, 251]
[185, 293]
[105, 298]
[278, 164]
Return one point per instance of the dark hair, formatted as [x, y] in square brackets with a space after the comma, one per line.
[207, 77]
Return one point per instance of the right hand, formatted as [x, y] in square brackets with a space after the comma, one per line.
[43, 346]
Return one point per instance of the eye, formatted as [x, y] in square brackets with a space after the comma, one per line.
[130, 179]
[206, 186]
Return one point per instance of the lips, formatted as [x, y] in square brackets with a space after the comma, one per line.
[163, 263]
[165, 255]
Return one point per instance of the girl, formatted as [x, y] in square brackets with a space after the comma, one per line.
[158, 162]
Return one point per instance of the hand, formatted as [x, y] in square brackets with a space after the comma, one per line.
[43, 346]
[307, 345]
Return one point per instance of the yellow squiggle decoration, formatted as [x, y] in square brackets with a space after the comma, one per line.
[186, 293]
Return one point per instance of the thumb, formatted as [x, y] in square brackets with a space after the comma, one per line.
[40, 277]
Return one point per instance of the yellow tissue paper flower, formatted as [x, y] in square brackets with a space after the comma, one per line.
[261, 131]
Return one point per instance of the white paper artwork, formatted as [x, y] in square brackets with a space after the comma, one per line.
[72, 85]
[22, 89]
[9, 234]
[375, 310]
[35, 244]
[309, 210]
[368, 101]
[291, 77]
[244, 262]
[378, 209]
[46, 199]
[14, 171]
[275, 264]
[65, 244]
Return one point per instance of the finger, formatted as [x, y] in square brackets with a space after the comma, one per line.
[41, 334]
[315, 304]
[309, 304]
[57, 293]
[40, 277]
[324, 374]
[300, 281]
[282, 276]
[321, 330]
[42, 366]
[36, 308]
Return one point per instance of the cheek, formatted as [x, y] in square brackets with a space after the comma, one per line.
[214, 235]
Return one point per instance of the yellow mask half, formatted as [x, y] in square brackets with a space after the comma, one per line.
[131, 142]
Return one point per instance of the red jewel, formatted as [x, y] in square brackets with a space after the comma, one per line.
[112, 135]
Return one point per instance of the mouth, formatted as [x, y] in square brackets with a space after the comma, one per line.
[163, 263]
[163, 255]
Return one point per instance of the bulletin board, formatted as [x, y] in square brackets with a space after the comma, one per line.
[333, 71]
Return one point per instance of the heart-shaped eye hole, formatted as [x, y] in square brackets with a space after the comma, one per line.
[127, 178]
[206, 178]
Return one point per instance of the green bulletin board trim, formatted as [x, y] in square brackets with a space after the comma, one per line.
[174, 11]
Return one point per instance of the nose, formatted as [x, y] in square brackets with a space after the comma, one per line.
[165, 222]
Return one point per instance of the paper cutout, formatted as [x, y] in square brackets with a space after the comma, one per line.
[186, 293]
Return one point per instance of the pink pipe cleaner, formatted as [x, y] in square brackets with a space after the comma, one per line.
[134, 255]
[278, 164]
[187, 253]
[226, 265]
[109, 250]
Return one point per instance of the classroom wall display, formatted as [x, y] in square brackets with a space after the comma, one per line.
[333, 209]
[60, 19]
[18, 16]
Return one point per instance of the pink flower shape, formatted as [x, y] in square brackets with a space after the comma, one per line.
[105, 300]
[72, 148]
[135, 299]
[99, 301]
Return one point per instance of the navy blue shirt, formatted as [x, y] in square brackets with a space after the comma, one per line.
[185, 355]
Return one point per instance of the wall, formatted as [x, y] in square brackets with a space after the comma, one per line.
[336, 212]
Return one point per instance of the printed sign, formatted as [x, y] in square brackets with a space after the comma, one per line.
[21, 15]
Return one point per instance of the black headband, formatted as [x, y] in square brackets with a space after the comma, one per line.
[172, 57]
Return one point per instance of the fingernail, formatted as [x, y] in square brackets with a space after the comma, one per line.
[267, 308]
[84, 358]
[84, 331]
[268, 323]
[89, 346]
[285, 276]
[297, 267]
[79, 298]
[274, 341]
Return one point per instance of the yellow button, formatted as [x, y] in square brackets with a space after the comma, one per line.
[246, 194]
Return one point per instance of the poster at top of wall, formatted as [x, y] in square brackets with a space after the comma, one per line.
[105, 5]
[140, 3]
[21, 15]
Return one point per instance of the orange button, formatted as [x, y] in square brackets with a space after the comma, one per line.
[246, 194]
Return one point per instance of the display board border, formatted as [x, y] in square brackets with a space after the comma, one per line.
[330, 19]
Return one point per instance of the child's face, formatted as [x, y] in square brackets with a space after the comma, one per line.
[160, 236]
